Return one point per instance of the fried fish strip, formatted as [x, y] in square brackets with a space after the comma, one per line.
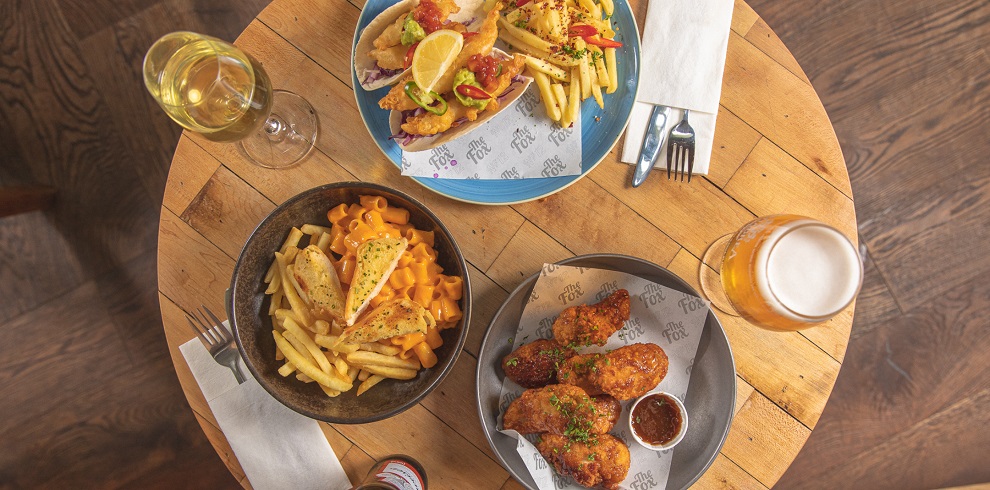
[429, 123]
[393, 58]
[392, 35]
[397, 100]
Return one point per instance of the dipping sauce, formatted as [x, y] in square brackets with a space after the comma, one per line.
[657, 419]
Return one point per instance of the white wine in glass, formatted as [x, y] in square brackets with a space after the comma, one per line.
[213, 88]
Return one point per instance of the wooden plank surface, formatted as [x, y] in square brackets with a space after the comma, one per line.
[772, 154]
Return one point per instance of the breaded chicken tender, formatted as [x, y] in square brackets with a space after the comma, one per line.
[535, 364]
[562, 409]
[625, 373]
[585, 325]
[601, 460]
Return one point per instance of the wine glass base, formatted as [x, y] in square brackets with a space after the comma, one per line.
[287, 136]
[711, 281]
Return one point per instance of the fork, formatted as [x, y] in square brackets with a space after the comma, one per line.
[680, 149]
[217, 340]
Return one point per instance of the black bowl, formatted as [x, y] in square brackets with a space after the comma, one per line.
[248, 309]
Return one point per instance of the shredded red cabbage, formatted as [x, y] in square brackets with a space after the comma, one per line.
[402, 137]
[380, 73]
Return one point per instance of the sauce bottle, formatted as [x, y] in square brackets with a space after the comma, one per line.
[394, 472]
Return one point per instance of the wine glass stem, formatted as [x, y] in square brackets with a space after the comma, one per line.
[276, 128]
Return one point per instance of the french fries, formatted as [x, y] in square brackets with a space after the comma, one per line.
[308, 343]
[613, 78]
[547, 94]
[367, 359]
[566, 73]
[308, 368]
[545, 67]
[370, 381]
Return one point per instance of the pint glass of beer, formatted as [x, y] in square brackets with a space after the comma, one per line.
[784, 272]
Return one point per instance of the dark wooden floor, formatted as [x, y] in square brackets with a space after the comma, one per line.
[89, 394]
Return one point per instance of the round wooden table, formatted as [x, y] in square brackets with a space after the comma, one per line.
[775, 151]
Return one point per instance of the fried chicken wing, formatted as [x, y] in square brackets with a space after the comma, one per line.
[535, 364]
[562, 409]
[625, 373]
[602, 460]
[592, 324]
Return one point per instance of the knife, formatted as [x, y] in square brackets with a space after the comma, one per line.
[652, 144]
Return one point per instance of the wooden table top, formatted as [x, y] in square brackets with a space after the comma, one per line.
[775, 151]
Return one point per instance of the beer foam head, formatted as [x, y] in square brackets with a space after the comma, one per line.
[812, 270]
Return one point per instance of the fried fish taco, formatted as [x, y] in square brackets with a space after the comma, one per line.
[384, 50]
[478, 83]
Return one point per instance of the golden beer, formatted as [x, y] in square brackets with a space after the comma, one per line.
[787, 272]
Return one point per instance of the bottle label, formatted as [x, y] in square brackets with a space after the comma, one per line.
[401, 475]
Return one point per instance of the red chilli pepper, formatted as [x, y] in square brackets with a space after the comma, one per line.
[520, 3]
[601, 42]
[582, 30]
[468, 35]
[407, 61]
[472, 92]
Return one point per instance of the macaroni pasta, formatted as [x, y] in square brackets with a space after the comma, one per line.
[310, 346]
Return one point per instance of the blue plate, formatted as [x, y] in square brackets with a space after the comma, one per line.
[597, 138]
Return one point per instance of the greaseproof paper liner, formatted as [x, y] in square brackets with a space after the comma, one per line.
[521, 142]
[660, 315]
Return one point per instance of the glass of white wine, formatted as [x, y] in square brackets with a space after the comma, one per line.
[213, 88]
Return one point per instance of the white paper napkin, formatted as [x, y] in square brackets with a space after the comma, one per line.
[683, 59]
[277, 447]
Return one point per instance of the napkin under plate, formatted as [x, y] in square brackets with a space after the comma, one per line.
[277, 447]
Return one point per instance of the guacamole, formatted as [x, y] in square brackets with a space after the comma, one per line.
[412, 32]
[466, 77]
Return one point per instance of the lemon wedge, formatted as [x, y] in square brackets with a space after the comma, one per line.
[433, 57]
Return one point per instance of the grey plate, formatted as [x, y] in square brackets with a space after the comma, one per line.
[710, 399]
